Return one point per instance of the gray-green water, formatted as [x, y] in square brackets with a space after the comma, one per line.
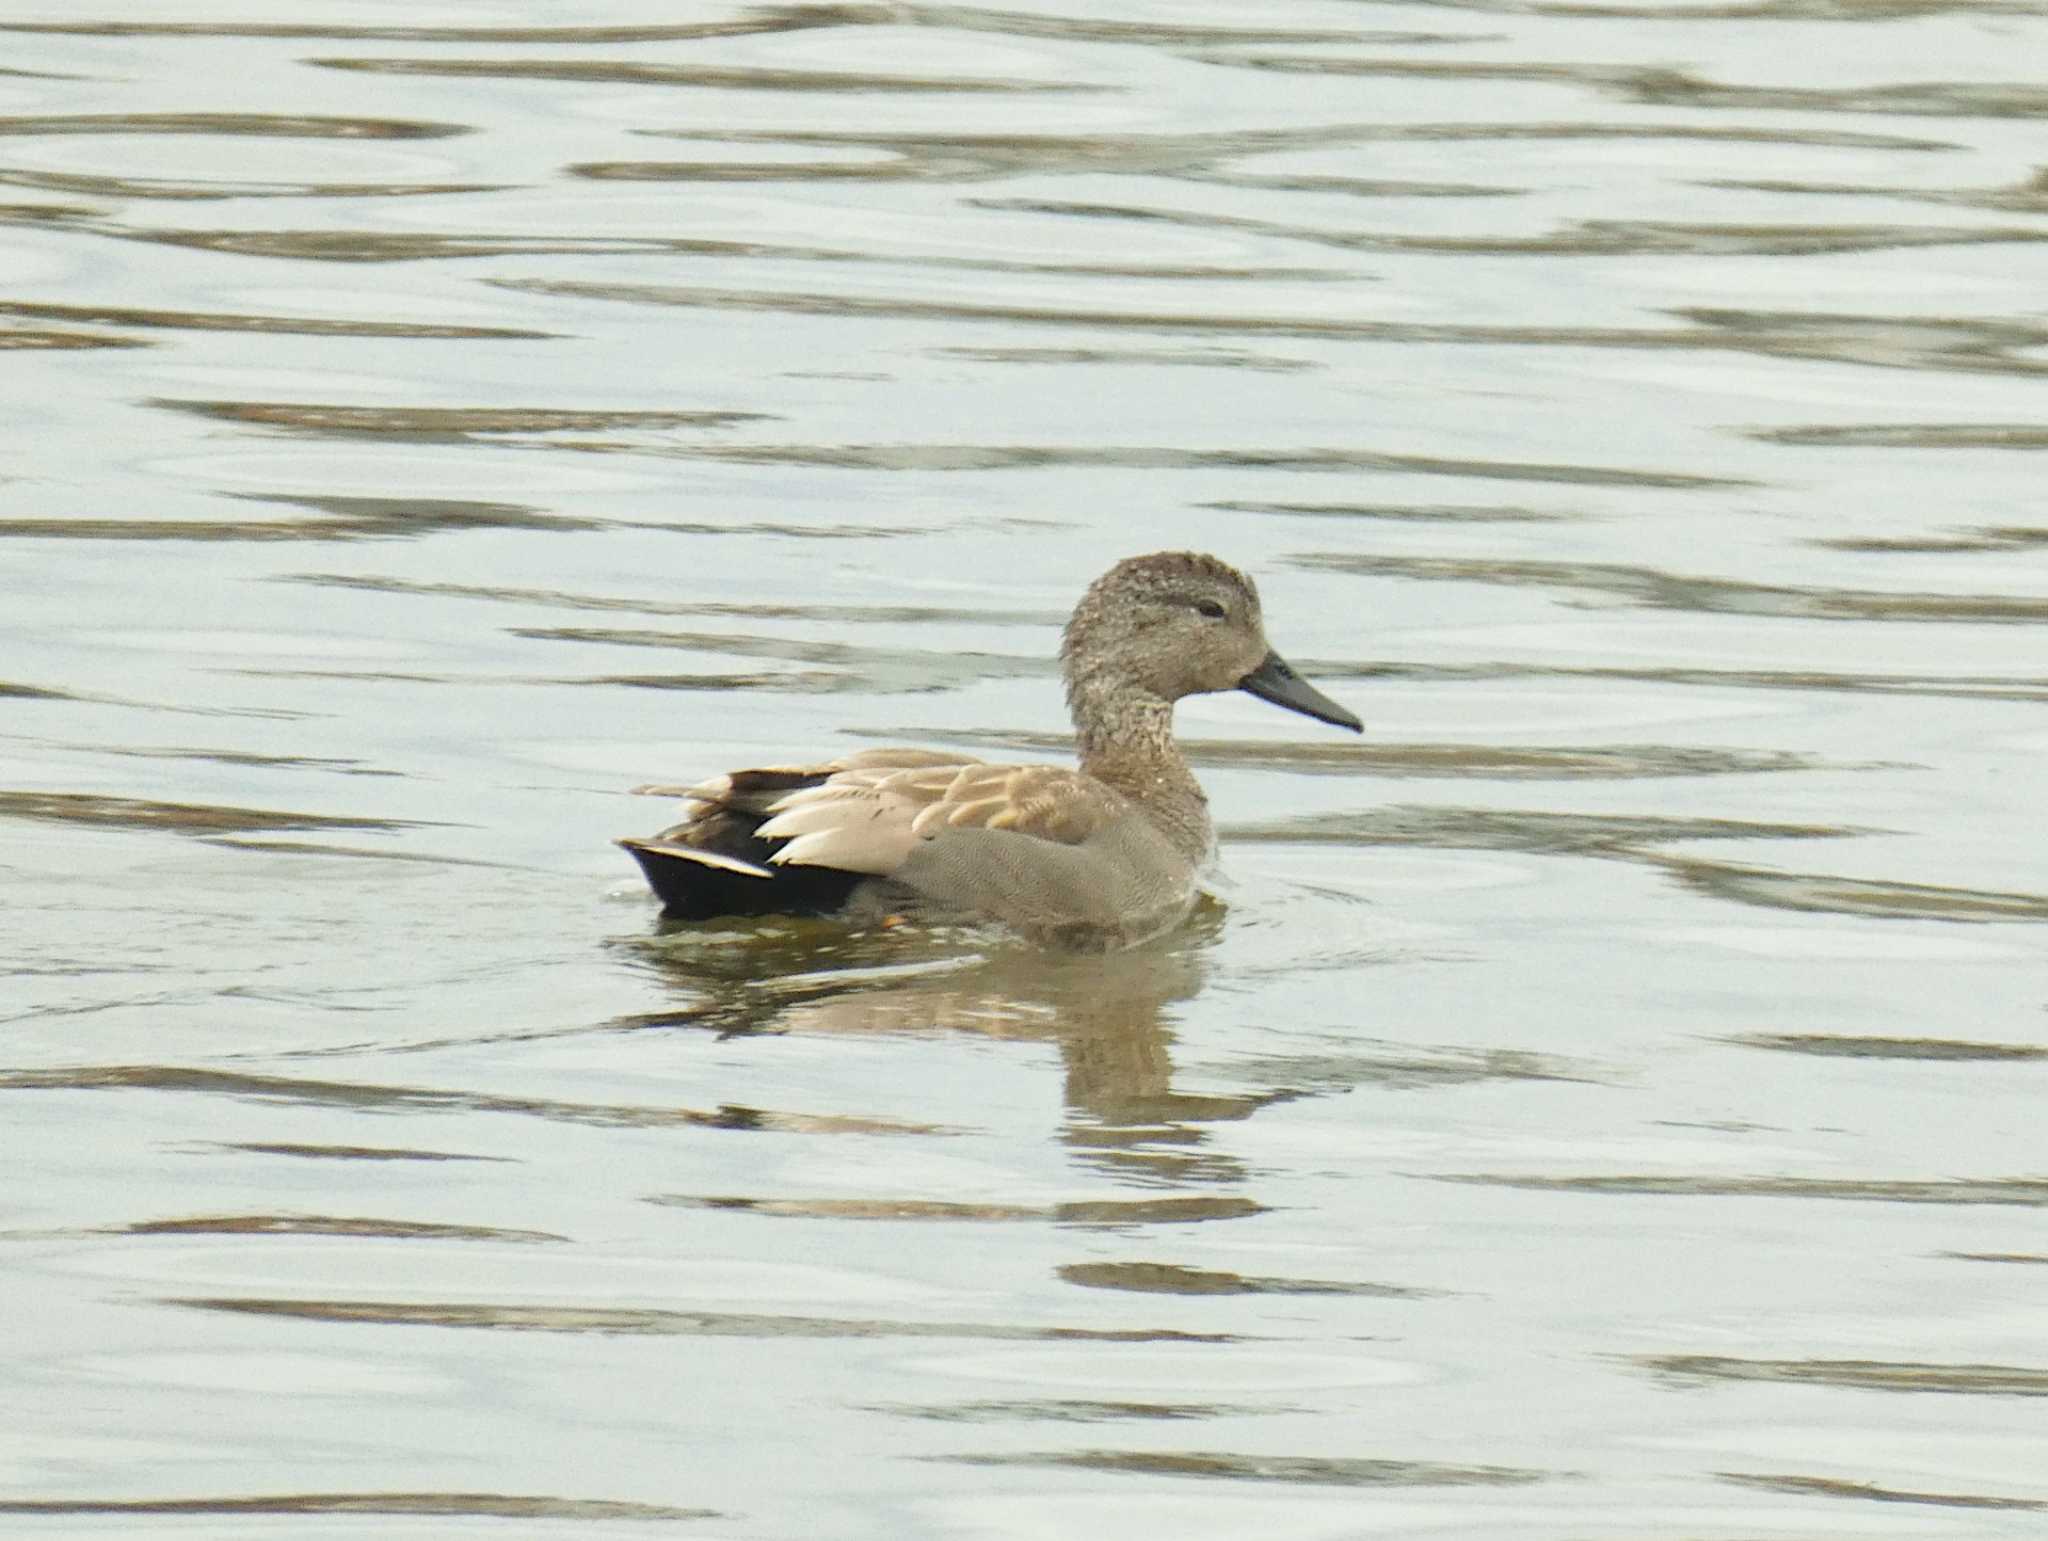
[1606, 1101]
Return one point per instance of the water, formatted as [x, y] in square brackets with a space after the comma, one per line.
[1601, 1103]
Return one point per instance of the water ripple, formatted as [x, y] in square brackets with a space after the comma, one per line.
[640, 73]
[1333, 1471]
[261, 125]
[655, 1322]
[1677, 591]
[1854, 1374]
[1835, 1487]
[416, 1099]
[506, 1506]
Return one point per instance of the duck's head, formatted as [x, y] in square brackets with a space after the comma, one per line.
[1180, 623]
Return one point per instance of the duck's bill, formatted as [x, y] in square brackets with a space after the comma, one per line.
[1275, 681]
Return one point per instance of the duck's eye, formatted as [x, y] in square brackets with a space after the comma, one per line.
[1212, 608]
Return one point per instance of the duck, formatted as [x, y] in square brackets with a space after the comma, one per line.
[1097, 857]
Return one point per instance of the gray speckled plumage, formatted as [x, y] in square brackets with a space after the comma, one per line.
[1100, 856]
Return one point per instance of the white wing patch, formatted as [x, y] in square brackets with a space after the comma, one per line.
[700, 857]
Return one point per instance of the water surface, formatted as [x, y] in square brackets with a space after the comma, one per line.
[1599, 1103]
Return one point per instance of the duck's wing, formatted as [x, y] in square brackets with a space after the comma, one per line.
[714, 860]
[757, 790]
[872, 813]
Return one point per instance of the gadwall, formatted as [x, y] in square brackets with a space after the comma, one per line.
[1103, 856]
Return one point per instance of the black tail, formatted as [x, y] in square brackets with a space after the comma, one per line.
[698, 871]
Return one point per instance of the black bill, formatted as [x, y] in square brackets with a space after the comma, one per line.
[1275, 681]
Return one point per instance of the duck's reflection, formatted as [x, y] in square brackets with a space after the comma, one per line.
[1109, 1015]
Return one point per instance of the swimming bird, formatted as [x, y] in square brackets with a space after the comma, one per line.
[1102, 856]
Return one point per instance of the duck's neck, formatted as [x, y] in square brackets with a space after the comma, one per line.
[1126, 742]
